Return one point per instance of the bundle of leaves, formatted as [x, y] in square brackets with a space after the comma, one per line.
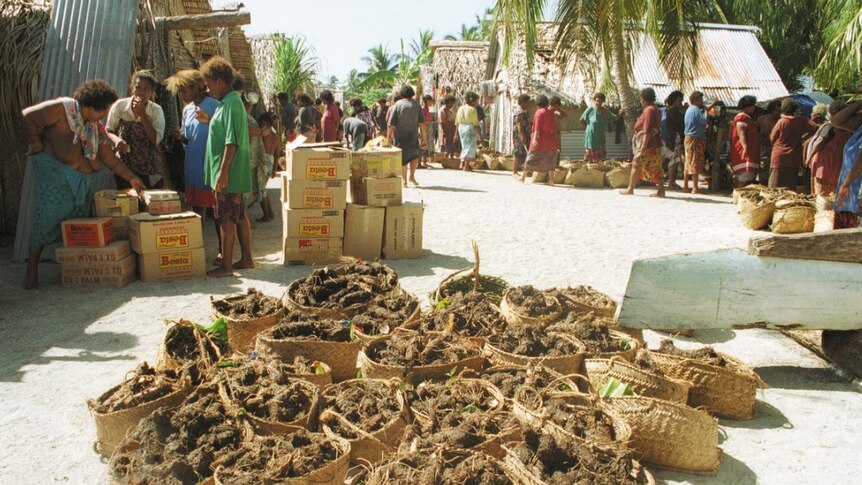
[262, 387]
[251, 305]
[443, 467]
[559, 460]
[144, 385]
[272, 459]
[705, 354]
[311, 329]
[535, 341]
[469, 314]
[180, 445]
[420, 349]
[368, 404]
[533, 302]
[589, 423]
[385, 314]
[344, 285]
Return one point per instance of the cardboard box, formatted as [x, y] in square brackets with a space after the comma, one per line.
[378, 163]
[113, 252]
[375, 192]
[314, 194]
[115, 203]
[317, 161]
[313, 223]
[104, 281]
[363, 231]
[162, 202]
[172, 265]
[96, 232]
[150, 234]
[299, 251]
[121, 267]
[402, 231]
[121, 228]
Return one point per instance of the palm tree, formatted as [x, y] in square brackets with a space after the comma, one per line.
[420, 47]
[467, 33]
[612, 27]
[406, 72]
[840, 54]
[295, 65]
[485, 24]
[380, 59]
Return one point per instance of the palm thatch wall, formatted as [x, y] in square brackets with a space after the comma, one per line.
[457, 65]
[263, 55]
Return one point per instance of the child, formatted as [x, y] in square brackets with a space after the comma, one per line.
[268, 170]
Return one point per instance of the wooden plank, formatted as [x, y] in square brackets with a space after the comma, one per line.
[212, 20]
[731, 289]
[843, 245]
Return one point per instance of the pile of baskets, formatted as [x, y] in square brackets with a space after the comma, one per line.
[781, 211]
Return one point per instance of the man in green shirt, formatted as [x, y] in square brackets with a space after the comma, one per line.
[226, 165]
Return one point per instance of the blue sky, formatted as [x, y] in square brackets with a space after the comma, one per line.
[341, 32]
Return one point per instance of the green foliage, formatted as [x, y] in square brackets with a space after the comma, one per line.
[441, 305]
[295, 65]
[218, 329]
[227, 363]
[615, 388]
[839, 57]
[469, 409]
[624, 344]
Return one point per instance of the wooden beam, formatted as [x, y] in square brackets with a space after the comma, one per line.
[212, 20]
[843, 245]
[731, 289]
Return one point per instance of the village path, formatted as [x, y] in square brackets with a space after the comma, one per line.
[59, 347]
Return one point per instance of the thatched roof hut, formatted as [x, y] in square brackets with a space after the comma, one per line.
[458, 66]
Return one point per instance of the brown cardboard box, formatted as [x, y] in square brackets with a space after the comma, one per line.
[378, 163]
[150, 234]
[103, 281]
[298, 251]
[113, 252]
[402, 231]
[121, 228]
[312, 223]
[114, 203]
[96, 232]
[375, 192]
[162, 202]
[120, 267]
[318, 163]
[172, 265]
[314, 194]
[363, 231]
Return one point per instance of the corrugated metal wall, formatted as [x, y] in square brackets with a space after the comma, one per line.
[572, 146]
[88, 39]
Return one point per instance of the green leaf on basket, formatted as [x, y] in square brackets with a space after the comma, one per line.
[470, 408]
[565, 387]
[217, 329]
[452, 371]
[318, 368]
[227, 363]
[359, 373]
[625, 345]
[441, 305]
[615, 388]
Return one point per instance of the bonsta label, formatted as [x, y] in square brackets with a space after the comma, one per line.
[175, 260]
[314, 229]
[316, 201]
[320, 171]
[172, 241]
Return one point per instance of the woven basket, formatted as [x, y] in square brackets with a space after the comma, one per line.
[451, 163]
[728, 391]
[793, 220]
[321, 380]
[588, 178]
[755, 215]
[643, 383]
[669, 435]
[507, 162]
[425, 420]
[380, 475]
[565, 364]
[560, 176]
[574, 300]
[627, 355]
[540, 419]
[340, 356]
[514, 316]
[263, 427]
[370, 447]
[112, 427]
[333, 473]
[738, 194]
[205, 344]
[333, 313]
[541, 177]
[491, 161]
[376, 370]
[241, 333]
[619, 177]
[461, 280]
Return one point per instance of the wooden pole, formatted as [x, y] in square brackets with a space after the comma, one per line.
[844, 245]
[207, 20]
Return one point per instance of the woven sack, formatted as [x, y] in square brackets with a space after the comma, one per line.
[370, 447]
[507, 162]
[463, 280]
[793, 220]
[514, 316]
[540, 419]
[627, 355]
[560, 176]
[376, 370]
[498, 401]
[333, 473]
[491, 161]
[755, 215]
[409, 322]
[334, 313]
[112, 427]
[207, 348]
[748, 189]
[263, 426]
[540, 177]
[451, 163]
[320, 380]
[600, 166]
[588, 178]
[380, 474]
[728, 392]
[241, 333]
[669, 435]
[340, 356]
[619, 177]
[565, 364]
[642, 382]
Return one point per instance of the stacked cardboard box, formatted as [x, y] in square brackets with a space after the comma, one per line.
[162, 202]
[91, 257]
[169, 247]
[118, 205]
[314, 196]
[377, 221]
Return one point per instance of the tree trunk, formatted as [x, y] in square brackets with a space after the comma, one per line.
[626, 91]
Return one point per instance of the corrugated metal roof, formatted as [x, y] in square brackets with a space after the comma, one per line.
[731, 64]
[88, 39]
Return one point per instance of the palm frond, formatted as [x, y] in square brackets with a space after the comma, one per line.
[515, 21]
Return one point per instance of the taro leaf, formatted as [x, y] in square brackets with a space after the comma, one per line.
[624, 344]
[359, 373]
[615, 388]
[318, 369]
[452, 371]
[217, 329]
[470, 408]
[227, 363]
[441, 305]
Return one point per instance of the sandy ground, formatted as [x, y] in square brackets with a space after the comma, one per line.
[63, 346]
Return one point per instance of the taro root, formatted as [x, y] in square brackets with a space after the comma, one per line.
[273, 459]
[532, 302]
[534, 342]
[704, 354]
[582, 297]
[145, 385]
[449, 467]
[593, 332]
[180, 445]
[368, 404]
[253, 304]
[644, 361]
[585, 422]
[469, 314]
[342, 286]
[262, 387]
[565, 460]
[327, 330]
[415, 350]
[384, 314]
